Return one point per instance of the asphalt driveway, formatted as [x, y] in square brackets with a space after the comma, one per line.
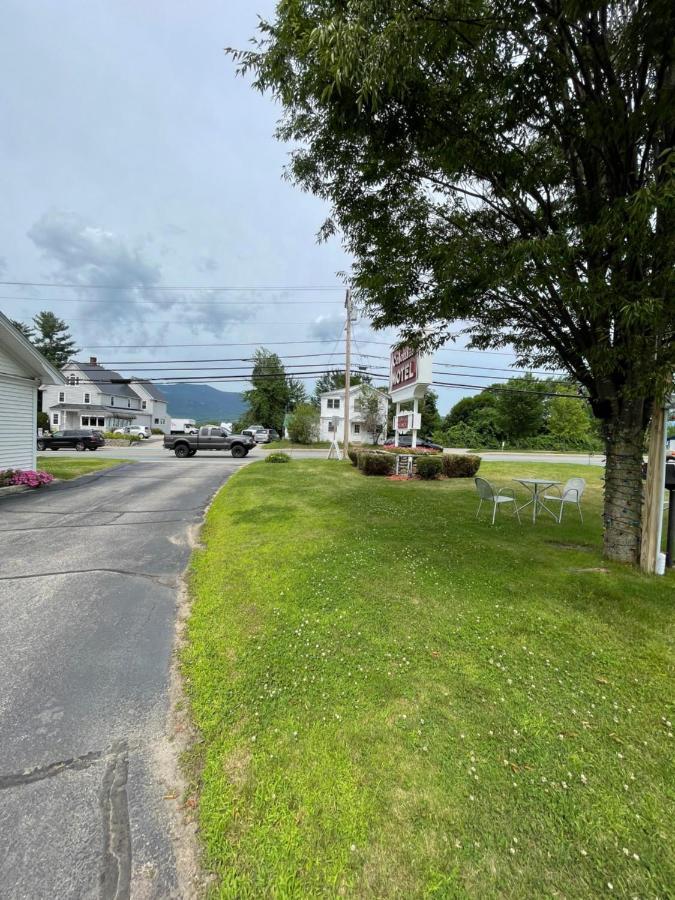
[88, 591]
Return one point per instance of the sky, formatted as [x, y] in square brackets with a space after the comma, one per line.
[133, 158]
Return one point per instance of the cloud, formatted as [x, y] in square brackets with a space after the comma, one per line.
[207, 263]
[89, 254]
[326, 328]
[126, 279]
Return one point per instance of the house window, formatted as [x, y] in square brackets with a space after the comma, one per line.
[330, 426]
[144, 405]
[93, 421]
[128, 404]
[333, 403]
[55, 418]
[87, 398]
[62, 396]
[73, 380]
[357, 427]
[112, 401]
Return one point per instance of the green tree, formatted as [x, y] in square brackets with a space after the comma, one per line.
[509, 164]
[374, 418]
[268, 397]
[303, 427]
[52, 338]
[297, 394]
[569, 419]
[520, 409]
[26, 330]
[430, 417]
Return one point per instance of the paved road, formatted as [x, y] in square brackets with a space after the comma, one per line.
[88, 577]
[153, 450]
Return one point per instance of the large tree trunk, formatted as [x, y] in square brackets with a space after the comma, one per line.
[624, 441]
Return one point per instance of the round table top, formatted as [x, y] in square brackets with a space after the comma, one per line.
[547, 481]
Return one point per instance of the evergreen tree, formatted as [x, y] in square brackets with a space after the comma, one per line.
[430, 417]
[52, 338]
[25, 330]
[268, 398]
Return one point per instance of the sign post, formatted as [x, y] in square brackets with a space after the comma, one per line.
[409, 377]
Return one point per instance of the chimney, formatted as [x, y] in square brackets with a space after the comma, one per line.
[92, 361]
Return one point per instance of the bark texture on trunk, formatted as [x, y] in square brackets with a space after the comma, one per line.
[623, 491]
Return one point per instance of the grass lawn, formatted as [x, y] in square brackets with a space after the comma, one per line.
[289, 445]
[398, 701]
[66, 469]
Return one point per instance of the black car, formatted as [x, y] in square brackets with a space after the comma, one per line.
[405, 440]
[79, 440]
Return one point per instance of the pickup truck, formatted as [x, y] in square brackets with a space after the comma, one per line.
[208, 438]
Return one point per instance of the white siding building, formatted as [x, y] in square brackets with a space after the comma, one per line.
[90, 399]
[153, 412]
[331, 421]
[22, 370]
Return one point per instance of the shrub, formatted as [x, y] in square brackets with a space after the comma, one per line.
[303, 425]
[409, 451]
[156, 431]
[27, 477]
[460, 465]
[278, 457]
[372, 462]
[429, 467]
[132, 438]
[354, 456]
[43, 421]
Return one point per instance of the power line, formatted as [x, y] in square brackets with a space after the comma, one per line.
[176, 287]
[215, 302]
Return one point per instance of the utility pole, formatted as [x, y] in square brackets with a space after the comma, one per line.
[348, 363]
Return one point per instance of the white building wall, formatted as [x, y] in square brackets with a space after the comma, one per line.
[328, 414]
[18, 420]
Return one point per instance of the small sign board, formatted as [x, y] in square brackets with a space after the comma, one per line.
[406, 421]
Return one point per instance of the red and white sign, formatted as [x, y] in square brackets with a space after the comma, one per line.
[406, 421]
[409, 374]
[404, 368]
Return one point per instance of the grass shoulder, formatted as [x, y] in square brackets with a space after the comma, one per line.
[398, 700]
[65, 469]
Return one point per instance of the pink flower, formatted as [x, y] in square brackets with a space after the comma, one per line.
[28, 478]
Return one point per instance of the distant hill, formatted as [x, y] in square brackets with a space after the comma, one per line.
[202, 403]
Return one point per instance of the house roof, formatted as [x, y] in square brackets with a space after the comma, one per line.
[21, 349]
[151, 389]
[102, 377]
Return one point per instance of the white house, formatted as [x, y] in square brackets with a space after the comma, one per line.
[332, 420]
[154, 411]
[90, 398]
[22, 370]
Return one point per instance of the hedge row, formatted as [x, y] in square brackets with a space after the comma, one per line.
[452, 465]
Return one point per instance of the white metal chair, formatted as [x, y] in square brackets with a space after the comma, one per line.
[487, 492]
[571, 493]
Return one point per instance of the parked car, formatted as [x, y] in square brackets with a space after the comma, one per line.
[141, 430]
[252, 430]
[266, 436]
[79, 440]
[405, 440]
[209, 438]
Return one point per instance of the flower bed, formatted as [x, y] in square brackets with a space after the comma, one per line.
[24, 478]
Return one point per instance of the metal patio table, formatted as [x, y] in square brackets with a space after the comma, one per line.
[537, 487]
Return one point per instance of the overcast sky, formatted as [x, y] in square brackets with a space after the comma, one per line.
[131, 155]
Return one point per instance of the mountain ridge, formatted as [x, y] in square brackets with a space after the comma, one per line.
[203, 403]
